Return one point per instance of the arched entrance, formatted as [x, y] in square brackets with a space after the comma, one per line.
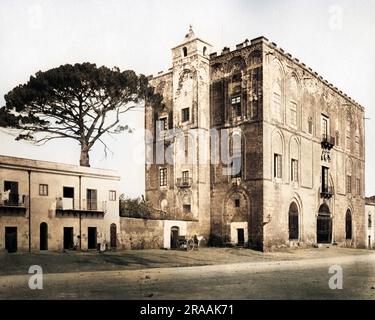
[324, 225]
[113, 233]
[43, 236]
[175, 231]
[348, 225]
[293, 222]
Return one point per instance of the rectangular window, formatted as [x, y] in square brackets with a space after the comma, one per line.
[186, 208]
[185, 114]
[68, 192]
[236, 107]
[112, 195]
[310, 125]
[92, 199]
[348, 140]
[358, 186]
[163, 177]
[236, 167]
[325, 126]
[348, 184]
[237, 203]
[357, 146]
[293, 114]
[185, 177]
[277, 111]
[294, 170]
[163, 124]
[43, 189]
[325, 175]
[277, 163]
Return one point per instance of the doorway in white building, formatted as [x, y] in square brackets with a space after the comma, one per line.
[175, 232]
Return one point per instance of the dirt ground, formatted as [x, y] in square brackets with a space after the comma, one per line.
[73, 261]
[302, 274]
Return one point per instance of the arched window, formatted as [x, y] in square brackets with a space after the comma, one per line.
[348, 225]
[293, 222]
[184, 50]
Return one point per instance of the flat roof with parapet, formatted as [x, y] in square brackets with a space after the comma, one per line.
[55, 167]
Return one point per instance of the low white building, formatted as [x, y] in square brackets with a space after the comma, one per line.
[370, 222]
[52, 206]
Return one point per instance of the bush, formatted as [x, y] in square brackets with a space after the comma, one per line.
[218, 241]
[134, 208]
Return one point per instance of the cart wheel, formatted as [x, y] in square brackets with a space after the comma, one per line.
[190, 245]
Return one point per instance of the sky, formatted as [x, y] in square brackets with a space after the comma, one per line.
[334, 38]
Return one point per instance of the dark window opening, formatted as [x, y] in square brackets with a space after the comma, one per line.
[184, 50]
[68, 192]
[185, 114]
[186, 208]
[237, 203]
[13, 198]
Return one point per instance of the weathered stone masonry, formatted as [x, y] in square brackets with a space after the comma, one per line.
[301, 178]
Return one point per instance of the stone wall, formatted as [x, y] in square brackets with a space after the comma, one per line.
[141, 233]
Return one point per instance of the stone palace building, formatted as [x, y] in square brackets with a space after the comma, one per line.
[255, 148]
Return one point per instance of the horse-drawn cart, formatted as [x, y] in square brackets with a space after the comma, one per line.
[188, 244]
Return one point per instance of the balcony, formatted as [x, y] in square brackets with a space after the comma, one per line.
[327, 142]
[12, 203]
[327, 193]
[67, 206]
[183, 182]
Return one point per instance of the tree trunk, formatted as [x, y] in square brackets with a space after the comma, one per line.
[85, 158]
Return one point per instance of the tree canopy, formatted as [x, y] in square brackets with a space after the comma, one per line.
[80, 102]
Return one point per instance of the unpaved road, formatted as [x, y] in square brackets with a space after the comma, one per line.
[294, 279]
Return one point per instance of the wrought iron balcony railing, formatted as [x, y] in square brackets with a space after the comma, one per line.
[328, 142]
[73, 205]
[327, 192]
[183, 182]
